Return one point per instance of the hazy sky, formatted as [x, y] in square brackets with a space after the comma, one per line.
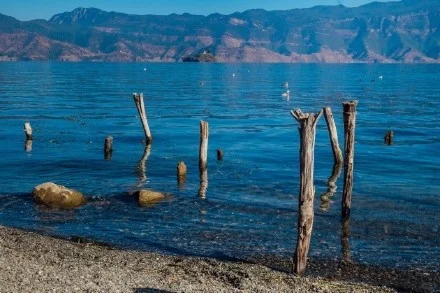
[32, 9]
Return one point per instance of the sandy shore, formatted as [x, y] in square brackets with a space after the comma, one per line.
[30, 262]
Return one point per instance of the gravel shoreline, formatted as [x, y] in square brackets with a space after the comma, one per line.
[30, 262]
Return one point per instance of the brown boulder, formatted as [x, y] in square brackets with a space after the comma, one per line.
[147, 197]
[57, 196]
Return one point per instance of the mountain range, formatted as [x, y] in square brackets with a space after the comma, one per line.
[406, 31]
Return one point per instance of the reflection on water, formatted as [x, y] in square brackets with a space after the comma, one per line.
[251, 207]
[332, 187]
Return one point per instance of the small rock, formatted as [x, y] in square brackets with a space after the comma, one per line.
[147, 197]
[57, 196]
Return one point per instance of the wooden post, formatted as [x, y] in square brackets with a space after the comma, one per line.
[139, 100]
[307, 129]
[108, 148]
[389, 138]
[181, 174]
[28, 131]
[337, 153]
[349, 131]
[203, 158]
[220, 155]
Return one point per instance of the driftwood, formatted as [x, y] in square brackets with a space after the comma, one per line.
[349, 131]
[139, 100]
[307, 131]
[108, 148]
[337, 153]
[203, 158]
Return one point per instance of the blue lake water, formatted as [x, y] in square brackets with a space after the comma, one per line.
[251, 203]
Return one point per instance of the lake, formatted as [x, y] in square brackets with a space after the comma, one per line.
[252, 198]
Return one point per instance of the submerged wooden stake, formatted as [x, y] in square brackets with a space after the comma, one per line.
[108, 148]
[139, 100]
[349, 131]
[220, 155]
[389, 138]
[181, 174]
[28, 131]
[203, 158]
[337, 153]
[307, 129]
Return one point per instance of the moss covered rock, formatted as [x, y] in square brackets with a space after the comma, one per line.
[57, 196]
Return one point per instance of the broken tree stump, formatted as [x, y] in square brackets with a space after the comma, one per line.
[337, 153]
[108, 147]
[389, 137]
[349, 131]
[139, 101]
[203, 158]
[307, 129]
[28, 130]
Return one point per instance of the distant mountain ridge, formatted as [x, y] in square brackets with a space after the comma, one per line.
[407, 31]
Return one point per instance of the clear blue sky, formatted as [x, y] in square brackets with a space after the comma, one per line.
[32, 9]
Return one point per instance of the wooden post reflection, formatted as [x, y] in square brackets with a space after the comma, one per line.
[332, 187]
[28, 146]
[141, 166]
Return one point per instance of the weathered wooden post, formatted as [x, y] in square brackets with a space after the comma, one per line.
[220, 155]
[307, 129]
[203, 158]
[139, 100]
[389, 137]
[28, 130]
[349, 131]
[181, 174]
[108, 148]
[337, 153]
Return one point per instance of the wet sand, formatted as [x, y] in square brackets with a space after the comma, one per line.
[30, 262]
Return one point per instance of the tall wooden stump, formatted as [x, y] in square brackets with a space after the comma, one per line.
[108, 148]
[349, 130]
[307, 128]
[139, 100]
[203, 158]
[337, 153]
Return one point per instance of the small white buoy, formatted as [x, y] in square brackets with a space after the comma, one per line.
[233, 74]
[145, 69]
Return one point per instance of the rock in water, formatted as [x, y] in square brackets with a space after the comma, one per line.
[148, 197]
[57, 196]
